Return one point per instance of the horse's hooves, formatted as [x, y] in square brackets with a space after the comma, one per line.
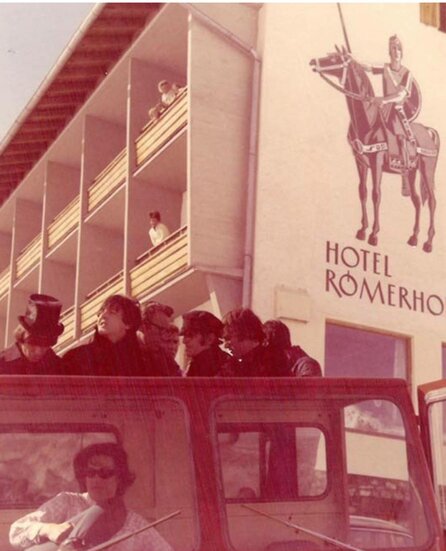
[413, 241]
[360, 234]
[427, 247]
[373, 240]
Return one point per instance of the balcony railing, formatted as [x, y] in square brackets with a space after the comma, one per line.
[430, 13]
[160, 264]
[4, 281]
[29, 256]
[64, 222]
[157, 133]
[67, 318]
[90, 307]
[108, 180]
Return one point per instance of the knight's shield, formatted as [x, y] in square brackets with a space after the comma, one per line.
[412, 105]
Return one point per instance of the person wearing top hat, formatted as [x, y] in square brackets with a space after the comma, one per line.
[202, 332]
[37, 332]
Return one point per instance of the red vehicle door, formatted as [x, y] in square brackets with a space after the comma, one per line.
[432, 408]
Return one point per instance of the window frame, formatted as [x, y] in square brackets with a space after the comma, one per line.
[53, 428]
[408, 341]
[219, 466]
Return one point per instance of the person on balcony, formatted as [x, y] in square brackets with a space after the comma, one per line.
[299, 362]
[244, 336]
[155, 331]
[168, 94]
[202, 334]
[114, 348]
[39, 329]
[158, 231]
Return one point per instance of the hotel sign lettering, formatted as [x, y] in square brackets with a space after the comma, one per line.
[367, 275]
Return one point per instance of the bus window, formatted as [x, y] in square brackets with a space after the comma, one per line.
[37, 453]
[34, 464]
[273, 457]
[385, 507]
[272, 461]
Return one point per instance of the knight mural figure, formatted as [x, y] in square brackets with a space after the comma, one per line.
[384, 136]
[399, 106]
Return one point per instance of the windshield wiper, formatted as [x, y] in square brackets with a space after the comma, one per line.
[118, 539]
[322, 537]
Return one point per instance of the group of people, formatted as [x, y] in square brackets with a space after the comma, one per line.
[130, 340]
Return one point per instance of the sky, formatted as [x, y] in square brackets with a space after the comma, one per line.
[32, 37]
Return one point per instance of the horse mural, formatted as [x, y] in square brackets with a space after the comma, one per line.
[375, 145]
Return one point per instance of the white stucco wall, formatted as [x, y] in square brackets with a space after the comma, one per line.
[308, 185]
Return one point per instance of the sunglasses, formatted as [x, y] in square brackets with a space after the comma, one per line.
[103, 473]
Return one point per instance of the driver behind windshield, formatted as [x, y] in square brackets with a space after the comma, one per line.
[94, 516]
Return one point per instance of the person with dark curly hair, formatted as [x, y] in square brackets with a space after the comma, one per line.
[114, 349]
[244, 336]
[95, 515]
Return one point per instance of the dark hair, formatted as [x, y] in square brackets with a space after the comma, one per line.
[173, 330]
[110, 449]
[277, 334]
[131, 313]
[244, 323]
[153, 307]
[155, 214]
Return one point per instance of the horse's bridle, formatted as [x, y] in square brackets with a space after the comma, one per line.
[340, 88]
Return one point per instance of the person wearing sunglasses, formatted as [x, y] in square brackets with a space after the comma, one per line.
[244, 336]
[93, 516]
[154, 338]
[202, 335]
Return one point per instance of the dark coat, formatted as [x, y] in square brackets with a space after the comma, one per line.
[102, 357]
[157, 363]
[303, 365]
[208, 363]
[261, 361]
[13, 362]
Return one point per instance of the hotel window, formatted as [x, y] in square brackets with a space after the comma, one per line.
[353, 352]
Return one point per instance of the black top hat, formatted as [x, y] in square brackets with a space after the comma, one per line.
[41, 318]
[200, 321]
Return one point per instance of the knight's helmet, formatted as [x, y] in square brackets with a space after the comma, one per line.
[395, 40]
